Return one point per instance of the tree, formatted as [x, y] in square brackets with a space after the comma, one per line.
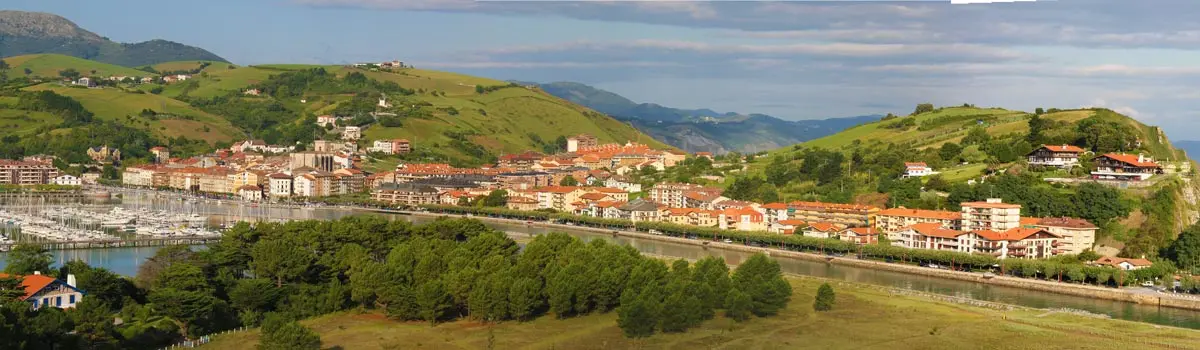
[1088, 255]
[569, 181]
[977, 136]
[1038, 111]
[825, 298]
[949, 151]
[738, 305]
[433, 301]
[496, 198]
[10, 289]
[94, 324]
[1037, 127]
[1185, 250]
[762, 279]
[923, 108]
[278, 334]
[183, 307]
[280, 259]
[69, 73]
[3, 65]
[27, 258]
[638, 314]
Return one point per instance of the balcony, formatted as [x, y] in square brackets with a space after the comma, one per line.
[1020, 245]
[1056, 244]
[986, 247]
[1017, 253]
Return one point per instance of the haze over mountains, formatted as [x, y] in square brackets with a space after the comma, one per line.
[702, 130]
[23, 33]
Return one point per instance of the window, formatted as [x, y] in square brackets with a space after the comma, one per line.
[72, 299]
[58, 301]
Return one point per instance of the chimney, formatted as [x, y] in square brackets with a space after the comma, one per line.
[71, 280]
[1141, 158]
[995, 200]
[39, 273]
[1064, 146]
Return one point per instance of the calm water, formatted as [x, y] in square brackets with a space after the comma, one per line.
[125, 261]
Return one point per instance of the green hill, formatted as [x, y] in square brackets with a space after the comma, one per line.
[987, 146]
[23, 33]
[448, 117]
[49, 66]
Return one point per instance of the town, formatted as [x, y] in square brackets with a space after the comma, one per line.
[591, 179]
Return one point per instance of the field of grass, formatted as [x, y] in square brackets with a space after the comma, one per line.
[863, 318]
[951, 122]
[24, 122]
[114, 104]
[48, 65]
[183, 65]
[963, 173]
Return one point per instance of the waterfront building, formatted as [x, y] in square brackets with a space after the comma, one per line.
[1077, 234]
[1019, 242]
[405, 194]
[896, 219]
[16, 172]
[66, 180]
[851, 215]
[992, 214]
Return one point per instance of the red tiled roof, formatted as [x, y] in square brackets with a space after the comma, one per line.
[823, 205]
[1114, 261]
[863, 231]
[558, 189]
[1015, 234]
[775, 206]
[822, 226]
[1131, 159]
[933, 229]
[921, 213]
[594, 196]
[1066, 222]
[915, 165]
[792, 222]
[31, 283]
[990, 205]
[1063, 148]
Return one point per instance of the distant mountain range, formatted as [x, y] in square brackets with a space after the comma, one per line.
[702, 130]
[24, 33]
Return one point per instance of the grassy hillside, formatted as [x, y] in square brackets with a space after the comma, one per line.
[448, 117]
[444, 107]
[926, 324]
[175, 118]
[48, 65]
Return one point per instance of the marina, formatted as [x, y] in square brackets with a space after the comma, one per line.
[83, 226]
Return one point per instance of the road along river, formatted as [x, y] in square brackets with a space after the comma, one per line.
[126, 260]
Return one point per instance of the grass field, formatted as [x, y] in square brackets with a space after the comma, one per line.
[48, 65]
[185, 65]
[25, 122]
[114, 104]
[963, 173]
[863, 318]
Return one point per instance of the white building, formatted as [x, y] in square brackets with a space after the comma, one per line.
[993, 215]
[350, 133]
[1063, 156]
[66, 180]
[280, 185]
[918, 169]
[250, 193]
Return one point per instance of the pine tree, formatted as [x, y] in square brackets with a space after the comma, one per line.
[638, 314]
[278, 334]
[738, 305]
[825, 298]
[761, 278]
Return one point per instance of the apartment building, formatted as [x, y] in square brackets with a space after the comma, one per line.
[992, 214]
[1020, 242]
[672, 194]
[896, 219]
[1077, 234]
[851, 215]
[405, 194]
[1124, 167]
[15, 172]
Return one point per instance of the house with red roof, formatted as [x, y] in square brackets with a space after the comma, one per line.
[1123, 263]
[742, 219]
[859, 235]
[822, 229]
[45, 291]
[895, 219]
[917, 169]
[1058, 156]
[787, 226]
[1124, 167]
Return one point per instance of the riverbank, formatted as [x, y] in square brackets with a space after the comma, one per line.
[1123, 295]
[863, 316]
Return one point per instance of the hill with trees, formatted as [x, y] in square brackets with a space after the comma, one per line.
[980, 153]
[23, 33]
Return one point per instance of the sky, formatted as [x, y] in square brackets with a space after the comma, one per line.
[790, 59]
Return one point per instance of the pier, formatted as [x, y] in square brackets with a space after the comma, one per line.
[120, 243]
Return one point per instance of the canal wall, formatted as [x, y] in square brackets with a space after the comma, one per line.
[1007, 281]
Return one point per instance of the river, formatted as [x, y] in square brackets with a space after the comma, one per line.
[126, 260]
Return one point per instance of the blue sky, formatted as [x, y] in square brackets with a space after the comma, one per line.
[794, 60]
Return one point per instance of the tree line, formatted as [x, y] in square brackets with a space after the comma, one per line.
[271, 274]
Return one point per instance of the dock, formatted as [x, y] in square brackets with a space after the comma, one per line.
[120, 243]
